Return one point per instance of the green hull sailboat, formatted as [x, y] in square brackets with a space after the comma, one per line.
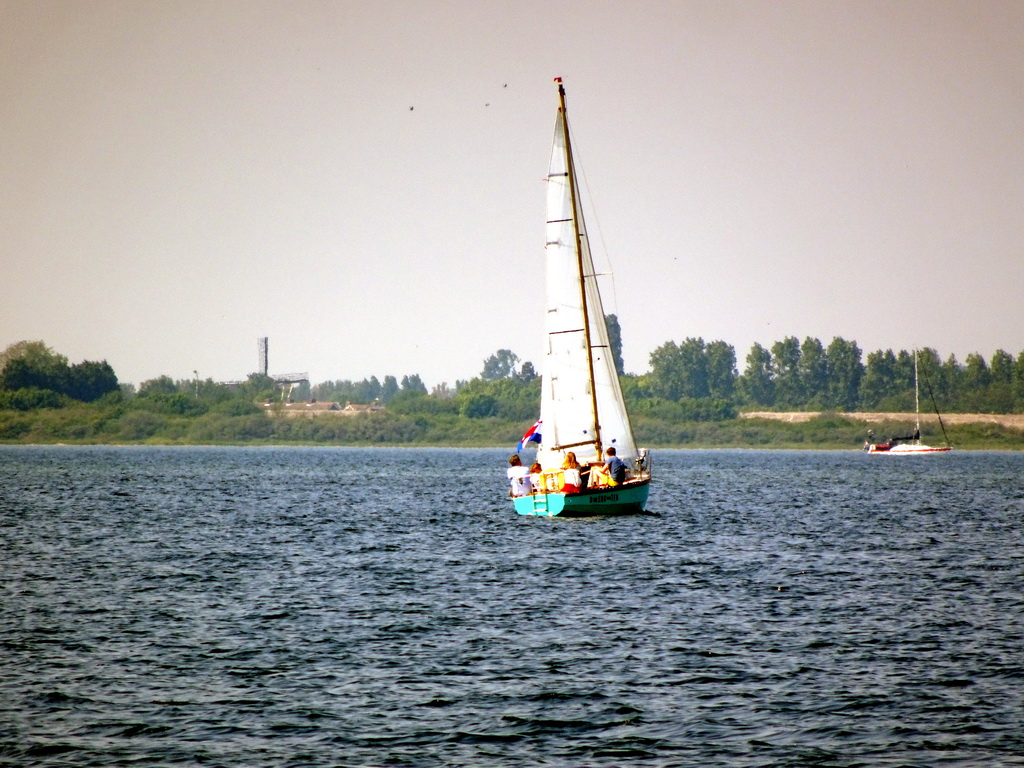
[581, 409]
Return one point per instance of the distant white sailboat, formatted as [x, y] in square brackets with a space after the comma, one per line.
[911, 444]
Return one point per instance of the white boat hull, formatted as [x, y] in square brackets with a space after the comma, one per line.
[904, 450]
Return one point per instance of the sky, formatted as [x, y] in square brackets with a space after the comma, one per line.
[362, 182]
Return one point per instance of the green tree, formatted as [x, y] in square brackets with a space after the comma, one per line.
[980, 391]
[636, 388]
[18, 349]
[479, 406]
[679, 371]
[500, 365]
[694, 367]
[88, 381]
[756, 384]
[37, 355]
[976, 375]
[1002, 367]
[929, 374]
[526, 374]
[903, 371]
[813, 371]
[21, 374]
[845, 371]
[388, 389]
[256, 387]
[162, 385]
[367, 390]
[442, 391]
[666, 379]
[878, 381]
[785, 369]
[413, 384]
[615, 342]
[950, 383]
[33, 365]
[1018, 381]
[721, 366]
[999, 397]
[505, 398]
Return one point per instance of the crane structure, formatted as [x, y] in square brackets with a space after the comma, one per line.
[289, 380]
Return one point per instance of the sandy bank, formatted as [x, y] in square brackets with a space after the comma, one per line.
[1011, 420]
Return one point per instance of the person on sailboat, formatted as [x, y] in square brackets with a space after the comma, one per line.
[614, 467]
[571, 480]
[612, 472]
[535, 476]
[519, 477]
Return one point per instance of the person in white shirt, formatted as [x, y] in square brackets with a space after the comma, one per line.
[571, 474]
[535, 476]
[519, 477]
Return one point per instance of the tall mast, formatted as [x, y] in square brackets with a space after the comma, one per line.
[917, 397]
[571, 169]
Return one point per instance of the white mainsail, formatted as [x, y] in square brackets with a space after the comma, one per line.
[568, 398]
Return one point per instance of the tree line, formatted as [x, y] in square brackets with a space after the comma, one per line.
[694, 380]
[809, 376]
[366, 390]
[34, 376]
[691, 380]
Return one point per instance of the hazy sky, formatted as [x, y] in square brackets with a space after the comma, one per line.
[362, 181]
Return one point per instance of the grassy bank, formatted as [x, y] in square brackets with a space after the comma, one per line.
[828, 431]
[110, 424]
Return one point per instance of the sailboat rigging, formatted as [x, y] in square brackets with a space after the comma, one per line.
[582, 409]
[911, 444]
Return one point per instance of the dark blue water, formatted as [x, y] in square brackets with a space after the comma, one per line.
[342, 607]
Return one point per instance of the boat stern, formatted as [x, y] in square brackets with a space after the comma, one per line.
[628, 499]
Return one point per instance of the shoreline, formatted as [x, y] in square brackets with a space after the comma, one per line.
[755, 430]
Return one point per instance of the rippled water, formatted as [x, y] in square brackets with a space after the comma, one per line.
[337, 607]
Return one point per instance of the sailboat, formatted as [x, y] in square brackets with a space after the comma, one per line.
[910, 444]
[582, 409]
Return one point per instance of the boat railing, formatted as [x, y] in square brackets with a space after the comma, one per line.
[642, 468]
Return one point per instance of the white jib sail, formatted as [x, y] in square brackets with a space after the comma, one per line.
[566, 410]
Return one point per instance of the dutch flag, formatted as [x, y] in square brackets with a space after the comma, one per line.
[532, 436]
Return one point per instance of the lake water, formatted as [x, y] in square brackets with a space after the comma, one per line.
[349, 607]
